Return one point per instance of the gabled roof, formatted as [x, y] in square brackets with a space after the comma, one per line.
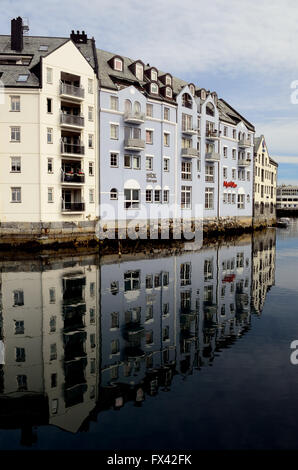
[32, 44]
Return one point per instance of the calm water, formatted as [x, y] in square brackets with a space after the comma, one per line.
[183, 352]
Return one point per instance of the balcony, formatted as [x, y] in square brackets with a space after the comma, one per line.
[72, 149]
[212, 156]
[72, 92]
[72, 120]
[244, 162]
[72, 206]
[190, 131]
[212, 134]
[77, 178]
[134, 144]
[244, 143]
[189, 152]
[134, 118]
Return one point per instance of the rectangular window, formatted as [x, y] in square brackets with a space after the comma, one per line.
[53, 380]
[166, 139]
[15, 103]
[114, 160]
[248, 176]
[198, 164]
[186, 197]
[209, 173]
[91, 168]
[136, 162]
[149, 163]
[49, 135]
[209, 198]
[50, 165]
[225, 131]
[114, 130]
[53, 324]
[91, 196]
[149, 137]
[225, 152]
[49, 75]
[186, 143]
[90, 85]
[22, 383]
[15, 134]
[15, 165]
[131, 198]
[114, 103]
[234, 154]
[16, 195]
[132, 280]
[149, 110]
[186, 170]
[186, 122]
[52, 295]
[166, 196]
[50, 195]
[90, 113]
[241, 201]
[233, 173]
[115, 320]
[225, 172]
[166, 114]
[49, 105]
[166, 164]
[90, 141]
[149, 197]
[127, 161]
[234, 133]
[149, 281]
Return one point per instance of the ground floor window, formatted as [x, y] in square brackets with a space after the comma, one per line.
[131, 198]
[209, 198]
[149, 197]
[186, 197]
[241, 201]
[16, 195]
[166, 196]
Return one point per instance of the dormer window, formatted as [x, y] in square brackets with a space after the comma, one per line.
[118, 64]
[154, 75]
[203, 94]
[168, 80]
[192, 89]
[169, 93]
[23, 78]
[139, 71]
[154, 88]
[43, 47]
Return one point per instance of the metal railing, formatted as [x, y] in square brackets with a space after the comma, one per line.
[72, 177]
[71, 90]
[72, 206]
[75, 149]
[72, 119]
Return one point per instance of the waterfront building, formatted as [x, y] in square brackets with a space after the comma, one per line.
[48, 131]
[287, 198]
[265, 183]
[89, 134]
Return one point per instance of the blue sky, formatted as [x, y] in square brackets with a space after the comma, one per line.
[245, 50]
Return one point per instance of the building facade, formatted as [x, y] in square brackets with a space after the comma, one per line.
[89, 135]
[287, 199]
[265, 183]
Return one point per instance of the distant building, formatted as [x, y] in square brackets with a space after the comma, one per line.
[287, 198]
[265, 181]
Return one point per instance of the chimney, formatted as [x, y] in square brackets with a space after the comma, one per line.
[79, 38]
[17, 34]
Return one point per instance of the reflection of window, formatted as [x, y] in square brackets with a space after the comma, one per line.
[240, 260]
[92, 340]
[22, 383]
[92, 366]
[185, 274]
[115, 320]
[131, 280]
[166, 308]
[54, 406]
[149, 337]
[165, 333]
[149, 312]
[53, 380]
[114, 287]
[20, 355]
[52, 324]
[208, 269]
[18, 297]
[114, 346]
[208, 293]
[92, 315]
[157, 280]
[165, 279]
[149, 281]
[52, 295]
[19, 327]
[185, 299]
[53, 352]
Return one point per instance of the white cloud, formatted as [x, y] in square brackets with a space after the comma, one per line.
[281, 135]
[285, 160]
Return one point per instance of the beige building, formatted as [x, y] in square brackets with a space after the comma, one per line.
[265, 182]
[48, 124]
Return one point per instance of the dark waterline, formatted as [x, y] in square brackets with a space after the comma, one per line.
[181, 352]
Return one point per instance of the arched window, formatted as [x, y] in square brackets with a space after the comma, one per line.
[114, 193]
[127, 106]
[210, 109]
[137, 107]
[139, 71]
[203, 94]
[168, 80]
[187, 101]
[192, 89]
[154, 88]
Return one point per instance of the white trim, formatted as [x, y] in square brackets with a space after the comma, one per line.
[131, 184]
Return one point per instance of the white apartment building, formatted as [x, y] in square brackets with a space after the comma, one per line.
[48, 125]
[265, 182]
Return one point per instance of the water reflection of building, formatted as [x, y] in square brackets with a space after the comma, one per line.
[50, 329]
[263, 269]
[82, 336]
